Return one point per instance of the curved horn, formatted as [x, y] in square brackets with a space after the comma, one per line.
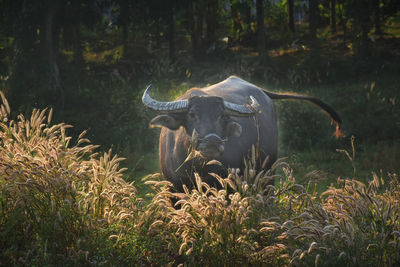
[163, 107]
[243, 110]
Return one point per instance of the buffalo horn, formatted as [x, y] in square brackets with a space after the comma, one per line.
[242, 110]
[163, 107]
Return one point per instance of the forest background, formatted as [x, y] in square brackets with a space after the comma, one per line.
[90, 61]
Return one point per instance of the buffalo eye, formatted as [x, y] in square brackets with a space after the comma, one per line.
[192, 115]
[223, 117]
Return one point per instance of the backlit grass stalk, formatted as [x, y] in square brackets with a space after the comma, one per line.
[53, 193]
[63, 201]
[352, 223]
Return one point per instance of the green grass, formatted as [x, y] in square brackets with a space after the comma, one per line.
[368, 110]
[61, 203]
[380, 159]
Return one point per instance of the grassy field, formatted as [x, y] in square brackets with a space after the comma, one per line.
[64, 201]
[64, 204]
[368, 106]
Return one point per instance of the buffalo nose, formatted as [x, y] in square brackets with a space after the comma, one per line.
[213, 138]
[211, 146]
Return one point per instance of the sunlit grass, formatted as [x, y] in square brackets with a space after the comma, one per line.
[105, 56]
[64, 204]
[53, 194]
[392, 26]
[286, 224]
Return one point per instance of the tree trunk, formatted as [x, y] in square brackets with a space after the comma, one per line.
[342, 20]
[236, 24]
[212, 23]
[377, 17]
[363, 14]
[362, 27]
[199, 30]
[72, 30]
[313, 22]
[195, 17]
[171, 31]
[77, 43]
[124, 22]
[192, 27]
[247, 16]
[260, 27]
[291, 14]
[49, 50]
[49, 47]
[333, 16]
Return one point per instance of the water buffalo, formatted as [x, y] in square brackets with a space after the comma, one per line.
[220, 122]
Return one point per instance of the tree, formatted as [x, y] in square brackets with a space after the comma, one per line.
[237, 28]
[260, 27]
[71, 24]
[171, 29]
[361, 11]
[333, 16]
[291, 14]
[313, 22]
[342, 17]
[124, 19]
[212, 23]
[191, 25]
[377, 17]
[49, 43]
[195, 17]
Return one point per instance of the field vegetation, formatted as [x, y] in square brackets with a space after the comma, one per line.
[79, 171]
[66, 204]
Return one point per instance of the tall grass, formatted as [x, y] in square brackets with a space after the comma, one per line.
[52, 194]
[64, 204]
[353, 223]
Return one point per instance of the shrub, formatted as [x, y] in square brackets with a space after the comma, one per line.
[52, 195]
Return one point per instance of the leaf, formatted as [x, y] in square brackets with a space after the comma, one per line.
[214, 162]
[191, 156]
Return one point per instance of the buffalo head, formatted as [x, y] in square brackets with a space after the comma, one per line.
[207, 120]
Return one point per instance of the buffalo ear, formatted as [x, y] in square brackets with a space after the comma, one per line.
[165, 121]
[234, 129]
